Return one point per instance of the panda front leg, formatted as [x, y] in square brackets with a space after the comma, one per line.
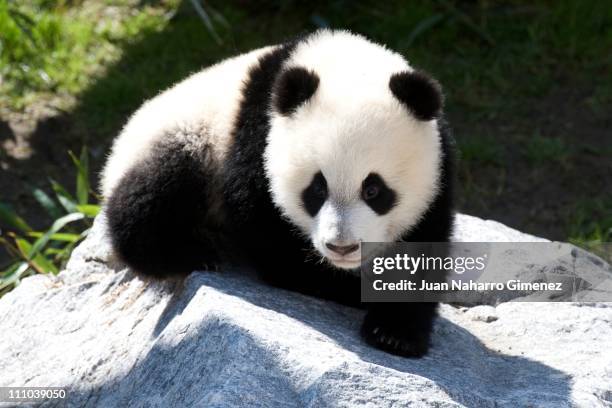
[155, 212]
[400, 328]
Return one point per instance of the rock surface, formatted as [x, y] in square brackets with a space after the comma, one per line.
[224, 339]
[526, 258]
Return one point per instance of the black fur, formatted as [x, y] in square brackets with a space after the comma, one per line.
[315, 194]
[294, 87]
[245, 183]
[421, 94]
[400, 328]
[385, 199]
[159, 215]
[156, 213]
[248, 201]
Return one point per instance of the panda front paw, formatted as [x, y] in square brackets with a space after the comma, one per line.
[395, 339]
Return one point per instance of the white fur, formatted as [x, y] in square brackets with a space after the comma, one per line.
[200, 110]
[352, 126]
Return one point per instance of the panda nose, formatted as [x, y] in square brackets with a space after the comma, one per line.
[342, 249]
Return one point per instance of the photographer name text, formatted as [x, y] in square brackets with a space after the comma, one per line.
[470, 285]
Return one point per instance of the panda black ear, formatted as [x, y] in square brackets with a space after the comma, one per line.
[420, 93]
[294, 87]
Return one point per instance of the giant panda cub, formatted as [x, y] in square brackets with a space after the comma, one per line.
[286, 159]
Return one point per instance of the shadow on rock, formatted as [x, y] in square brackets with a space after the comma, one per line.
[228, 340]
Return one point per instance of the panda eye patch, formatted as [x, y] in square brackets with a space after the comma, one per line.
[315, 194]
[377, 195]
[319, 189]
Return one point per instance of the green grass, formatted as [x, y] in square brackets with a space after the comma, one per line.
[590, 226]
[59, 47]
[582, 227]
[476, 48]
[48, 251]
[97, 61]
[479, 150]
[540, 150]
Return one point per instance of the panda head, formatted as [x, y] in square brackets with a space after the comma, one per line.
[350, 161]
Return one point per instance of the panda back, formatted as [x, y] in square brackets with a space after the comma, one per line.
[198, 112]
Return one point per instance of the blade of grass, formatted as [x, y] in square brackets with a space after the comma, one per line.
[14, 277]
[88, 210]
[57, 225]
[85, 233]
[38, 262]
[47, 203]
[63, 196]
[206, 20]
[24, 23]
[63, 257]
[423, 26]
[10, 218]
[82, 179]
[219, 17]
[12, 250]
[60, 236]
[467, 21]
[9, 270]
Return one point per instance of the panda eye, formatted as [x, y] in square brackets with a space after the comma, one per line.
[377, 194]
[319, 190]
[370, 192]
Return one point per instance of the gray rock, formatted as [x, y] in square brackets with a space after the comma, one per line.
[518, 256]
[473, 229]
[482, 313]
[224, 339]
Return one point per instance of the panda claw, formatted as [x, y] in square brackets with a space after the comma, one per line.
[403, 343]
